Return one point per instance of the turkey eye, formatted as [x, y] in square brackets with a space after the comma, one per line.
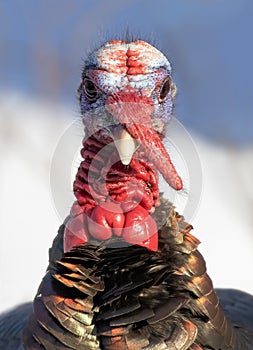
[90, 89]
[165, 89]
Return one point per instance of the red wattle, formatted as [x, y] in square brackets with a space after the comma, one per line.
[140, 228]
[103, 222]
[112, 199]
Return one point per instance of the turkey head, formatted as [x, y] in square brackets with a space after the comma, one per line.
[126, 98]
[129, 85]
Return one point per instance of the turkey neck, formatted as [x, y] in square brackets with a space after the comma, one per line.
[102, 178]
[113, 199]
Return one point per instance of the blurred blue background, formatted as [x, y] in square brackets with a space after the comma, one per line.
[209, 43]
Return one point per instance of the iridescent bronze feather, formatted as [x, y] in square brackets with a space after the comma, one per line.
[111, 295]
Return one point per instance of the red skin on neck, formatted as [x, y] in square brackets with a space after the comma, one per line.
[115, 202]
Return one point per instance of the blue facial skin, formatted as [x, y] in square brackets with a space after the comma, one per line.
[105, 83]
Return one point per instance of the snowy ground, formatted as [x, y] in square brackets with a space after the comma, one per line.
[31, 145]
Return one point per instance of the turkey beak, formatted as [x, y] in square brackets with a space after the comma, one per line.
[125, 144]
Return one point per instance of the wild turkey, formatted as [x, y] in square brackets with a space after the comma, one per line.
[124, 270]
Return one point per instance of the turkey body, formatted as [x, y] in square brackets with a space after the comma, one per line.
[124, 270]
[107, 296]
